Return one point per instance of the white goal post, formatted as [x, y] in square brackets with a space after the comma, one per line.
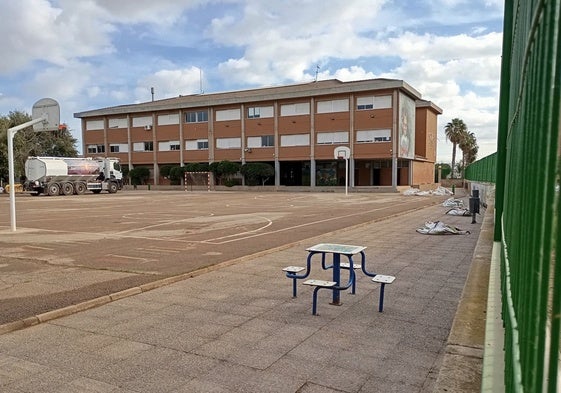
[197, 181]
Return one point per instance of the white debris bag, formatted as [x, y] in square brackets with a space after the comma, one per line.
[459, 211]
[415, 191]
[451, 202]
[440, 228]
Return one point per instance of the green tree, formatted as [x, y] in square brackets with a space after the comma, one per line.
[257, 172]
[223, 170]
[139, 175]
[176, 174]
[454, 131]
[196, 167]
[165, 170]
[445, 170]
[28, 142]
[468, 146]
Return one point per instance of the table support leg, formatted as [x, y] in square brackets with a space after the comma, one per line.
[337, 278]
[381, 302]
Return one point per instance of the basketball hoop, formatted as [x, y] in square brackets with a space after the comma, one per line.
[343, 153]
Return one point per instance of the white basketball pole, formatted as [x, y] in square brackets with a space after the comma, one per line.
[346, 175]
[11, 133]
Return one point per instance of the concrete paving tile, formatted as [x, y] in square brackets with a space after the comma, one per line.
[123, 349]
[48, 381]
[312, 352]
[87, 385]
[336, 377]
[259, 359]
[296, 367]
[218, 349]
[66, 357]
[376, 385]
[14, 369]
[371, 363]
[187, 364]
[239, 378]
[315, 388]
[198, 386]
[91, 343]
[155, 380]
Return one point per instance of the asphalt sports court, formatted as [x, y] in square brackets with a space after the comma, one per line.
[69, 249]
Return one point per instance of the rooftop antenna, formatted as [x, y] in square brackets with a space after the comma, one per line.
[201, 80]
[317, 71]
[152, 92]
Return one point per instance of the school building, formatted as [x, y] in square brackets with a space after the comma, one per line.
[304, 131]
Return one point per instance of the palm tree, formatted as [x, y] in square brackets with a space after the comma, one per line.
[468, 146]
[454, 131]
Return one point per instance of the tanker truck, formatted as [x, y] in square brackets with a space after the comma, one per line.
[67, 175]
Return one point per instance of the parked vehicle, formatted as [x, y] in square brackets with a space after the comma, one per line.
[68, 175]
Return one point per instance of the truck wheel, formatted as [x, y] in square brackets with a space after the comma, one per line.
[53, 189]
[67, 189]
[112, 187]
[80, 188]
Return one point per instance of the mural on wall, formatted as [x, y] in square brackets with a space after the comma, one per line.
[406, 127]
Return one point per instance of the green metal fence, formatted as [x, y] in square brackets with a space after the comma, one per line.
[484, 170]
[527, 194]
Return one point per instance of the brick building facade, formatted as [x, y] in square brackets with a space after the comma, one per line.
[389, 129]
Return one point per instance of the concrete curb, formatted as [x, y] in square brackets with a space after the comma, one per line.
[461, 370]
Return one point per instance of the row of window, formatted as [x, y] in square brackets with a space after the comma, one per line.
[254, 112]
[323, 138]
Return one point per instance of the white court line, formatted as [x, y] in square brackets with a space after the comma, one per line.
[145, 260]
[160, 250]
[270, 222]
[156, 225]
[39, 248]
[294, 227]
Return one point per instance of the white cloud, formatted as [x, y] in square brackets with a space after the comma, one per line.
[169, 83]
[36, 30]
[98, 53]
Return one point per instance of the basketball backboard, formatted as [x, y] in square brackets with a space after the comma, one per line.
[342, 152]
[48, 108]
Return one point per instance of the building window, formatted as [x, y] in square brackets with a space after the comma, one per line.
[165, 120]
[93, 149]
[196, 117]
[94, 125]
[143, 121]
[374, 102]
[295, 140]
[372, 136]
[118, 123]
[143, 146]
[169, 145]
[228, 143]
[197, 144]
[228, 114]
[259, 112]
[119, 148]
[261, 141]
[295, 109]
[333, 106]
[329, 138]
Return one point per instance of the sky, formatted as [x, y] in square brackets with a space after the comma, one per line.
[91, 54]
